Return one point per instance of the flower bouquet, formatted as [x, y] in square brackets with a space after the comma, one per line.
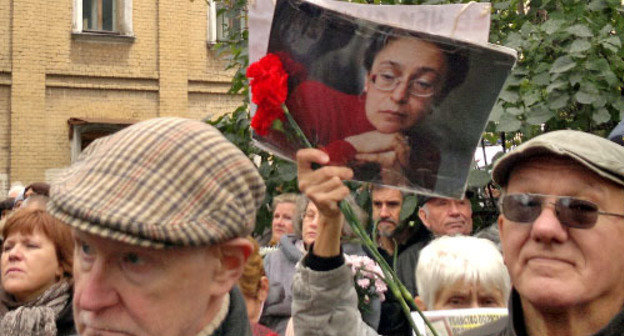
[368, 279]
[269, 90]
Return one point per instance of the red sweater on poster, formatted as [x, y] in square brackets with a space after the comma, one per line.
[328, 116]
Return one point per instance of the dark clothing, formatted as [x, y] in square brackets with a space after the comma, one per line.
[513, 324]
[407, 262]
[393, 320]
[236, 322]
[65, 322]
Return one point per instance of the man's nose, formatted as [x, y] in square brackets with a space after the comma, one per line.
[384, 212]
[93, 288]
[454, 208]
[547, 228]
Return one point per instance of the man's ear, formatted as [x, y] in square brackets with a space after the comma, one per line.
[263, 289]
[232, 255]
[422, 214]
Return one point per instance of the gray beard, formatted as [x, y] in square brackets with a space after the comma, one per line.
[385, 233]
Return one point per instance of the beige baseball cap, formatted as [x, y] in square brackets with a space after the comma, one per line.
[602, 156]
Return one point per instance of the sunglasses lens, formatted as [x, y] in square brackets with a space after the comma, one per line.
[577, 213]
[522, 208]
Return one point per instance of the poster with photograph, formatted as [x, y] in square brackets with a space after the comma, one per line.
[401, 107]
[455, 322]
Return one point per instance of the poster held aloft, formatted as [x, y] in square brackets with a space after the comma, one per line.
[401, 107]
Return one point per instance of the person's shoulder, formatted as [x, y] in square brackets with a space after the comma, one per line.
[499, 327]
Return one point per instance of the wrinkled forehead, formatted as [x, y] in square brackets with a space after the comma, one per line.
[528, 173]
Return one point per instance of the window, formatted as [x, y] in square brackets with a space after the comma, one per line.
[99, 15]
[103, 17]
[82, 131]
[221, 21]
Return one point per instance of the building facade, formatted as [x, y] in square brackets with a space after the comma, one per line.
[74, 70]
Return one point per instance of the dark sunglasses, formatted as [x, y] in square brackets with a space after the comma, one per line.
[571, 212]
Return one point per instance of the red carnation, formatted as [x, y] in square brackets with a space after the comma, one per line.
[269, 85]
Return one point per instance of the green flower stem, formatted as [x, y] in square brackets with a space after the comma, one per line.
[295, 126]
[390, 278]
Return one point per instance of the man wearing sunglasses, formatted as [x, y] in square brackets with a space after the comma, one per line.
[562, 234]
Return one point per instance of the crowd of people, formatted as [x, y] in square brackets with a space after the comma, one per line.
[162, 246]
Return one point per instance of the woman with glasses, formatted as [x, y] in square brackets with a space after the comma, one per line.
[406, 76]
[279, 265]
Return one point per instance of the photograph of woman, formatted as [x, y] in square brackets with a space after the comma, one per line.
[398, 106]
[406, 76]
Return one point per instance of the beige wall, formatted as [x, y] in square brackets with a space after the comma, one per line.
[48, 76]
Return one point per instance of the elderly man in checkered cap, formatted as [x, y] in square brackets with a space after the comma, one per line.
[159, 213]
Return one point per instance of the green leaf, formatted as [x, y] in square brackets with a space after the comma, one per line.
[551, 26]
[514, 40]
[579, 46]
[563, 64]
[596, 5]
[589, 87]
[508, 123]
[575, 78]
[542, 78]
[598, 64]
[287, 171]
[501, 5]
[515, 110]
[584, 97]
[601, 116]
[513, 81]
[618, 104]
[496, 113]
[538, 115]
[559, 84]
[509, 96]
[478, 178]
[531, 98]
[556, 102]
[599, 101]
[614, 40]
[410, 203]
[580, 30]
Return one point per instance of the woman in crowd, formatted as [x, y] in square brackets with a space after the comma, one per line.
[456, 272]
[36, 265]
[280, 264]
[283, 213]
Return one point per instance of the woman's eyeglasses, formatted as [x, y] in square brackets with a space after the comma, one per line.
[417, 87]
[571, 212]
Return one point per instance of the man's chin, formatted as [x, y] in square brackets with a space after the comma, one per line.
[386, 229]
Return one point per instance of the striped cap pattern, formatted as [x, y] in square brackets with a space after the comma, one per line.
[159, 183]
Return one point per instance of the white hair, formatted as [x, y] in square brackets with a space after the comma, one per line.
[448, 259]
[15, 190]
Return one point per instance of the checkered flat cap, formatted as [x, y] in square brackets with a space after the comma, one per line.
[160, 183]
